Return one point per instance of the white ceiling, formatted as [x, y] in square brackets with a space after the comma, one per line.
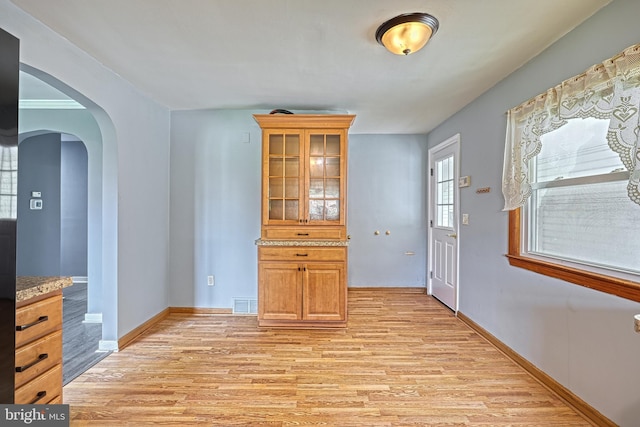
[312, 54]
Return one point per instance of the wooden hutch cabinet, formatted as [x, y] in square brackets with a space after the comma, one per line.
[302, 252]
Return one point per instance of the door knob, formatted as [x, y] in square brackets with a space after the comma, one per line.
[454, 235]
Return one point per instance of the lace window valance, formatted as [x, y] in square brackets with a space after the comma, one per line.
[610, 90]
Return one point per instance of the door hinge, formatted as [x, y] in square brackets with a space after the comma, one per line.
[431, 171]
[431, 274]
[430, 223]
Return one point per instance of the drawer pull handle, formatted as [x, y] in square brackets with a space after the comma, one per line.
[40, 358]
[27, 326]
[39, 396]
[302, 254]
[302, 234]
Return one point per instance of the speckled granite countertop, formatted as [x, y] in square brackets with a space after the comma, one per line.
[261, 242]
[28, 287]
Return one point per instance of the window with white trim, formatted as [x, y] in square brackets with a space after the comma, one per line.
[579, 211]
[571, 178]
[8, 182]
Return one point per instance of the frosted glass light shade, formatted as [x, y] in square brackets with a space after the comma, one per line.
[406, 34]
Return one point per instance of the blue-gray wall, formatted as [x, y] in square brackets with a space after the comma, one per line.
[582, 338]
[52, 241]
[38, 246]
[387, 180]
[134, 145]
[73, 209]
[215, 208]
[82, 125]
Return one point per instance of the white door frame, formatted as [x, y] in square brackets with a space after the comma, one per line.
[454, 140]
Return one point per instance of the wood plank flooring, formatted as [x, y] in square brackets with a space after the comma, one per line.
[79, 340]
[403, 360]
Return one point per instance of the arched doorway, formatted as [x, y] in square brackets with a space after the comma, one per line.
[52, 238]
[48, 105]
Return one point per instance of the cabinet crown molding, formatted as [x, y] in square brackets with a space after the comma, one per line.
[309, 121]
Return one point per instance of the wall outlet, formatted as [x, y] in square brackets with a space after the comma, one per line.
[211, 281]
[636, 323]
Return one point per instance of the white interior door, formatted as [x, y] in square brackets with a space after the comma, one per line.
[443, 221]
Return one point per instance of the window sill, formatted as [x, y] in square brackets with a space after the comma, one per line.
[612, 285]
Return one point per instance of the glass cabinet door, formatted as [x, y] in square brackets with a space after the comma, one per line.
[325, 177]
[284, 177]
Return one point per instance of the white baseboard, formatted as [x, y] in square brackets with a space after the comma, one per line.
[106, 345]
[80, 279]
[92, 318]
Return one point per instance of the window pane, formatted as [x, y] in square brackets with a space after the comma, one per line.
[587, 223]
[316, 188]
[275, 144]
[292, 166]
[316, 167]
[276, 209]
[8, 182]
[276, 188]
[444, 192]
[292, 145]
[316, 210]
[333, 188]
[275, 167]
[332, 166]
[291, 188]
[332, 210]
[316, 145]
[291, 209]
[577, 149]
[333, 145]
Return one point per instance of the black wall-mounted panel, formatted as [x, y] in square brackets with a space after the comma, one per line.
[9, 93]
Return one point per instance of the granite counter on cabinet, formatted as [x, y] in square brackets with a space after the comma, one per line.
[261, 242]
[28, 287]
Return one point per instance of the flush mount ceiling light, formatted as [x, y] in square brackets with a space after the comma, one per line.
[408, 33]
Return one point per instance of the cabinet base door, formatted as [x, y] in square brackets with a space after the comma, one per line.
[324, 293]
[279, 291]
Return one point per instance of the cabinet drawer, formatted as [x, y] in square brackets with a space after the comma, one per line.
[302, 253]
[38, 357]
[56, 401]
[38, 319]
[303, 233]
[41, 390]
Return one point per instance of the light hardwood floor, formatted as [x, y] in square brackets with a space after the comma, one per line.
[403, 360]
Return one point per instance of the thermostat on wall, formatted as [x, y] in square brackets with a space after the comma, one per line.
[35, 204]
[464, 181]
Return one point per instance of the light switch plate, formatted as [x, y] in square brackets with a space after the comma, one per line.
[35, 204]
